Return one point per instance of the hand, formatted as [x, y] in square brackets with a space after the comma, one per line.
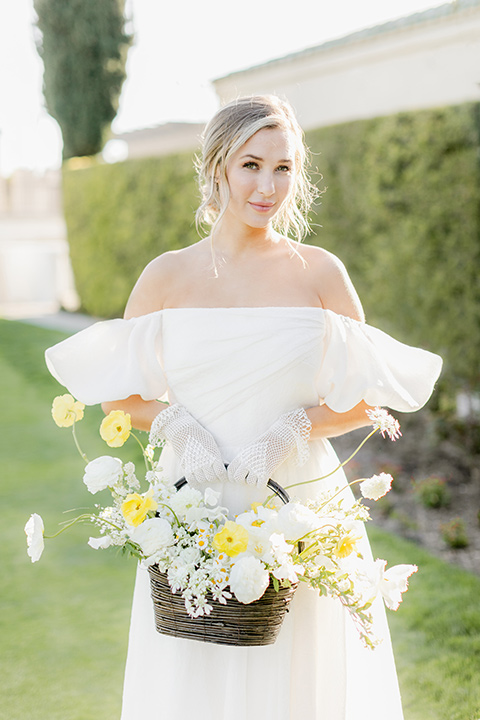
[288, 437]
[198, 452]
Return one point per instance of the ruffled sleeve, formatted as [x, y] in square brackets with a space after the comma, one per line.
[361, 362]
[112, 360]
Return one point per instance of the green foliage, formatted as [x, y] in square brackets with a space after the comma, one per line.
[83, 46]
[119, 218]
[402, 210]
[454, 533]
[433, 492]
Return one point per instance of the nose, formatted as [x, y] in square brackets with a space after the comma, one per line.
[266, 184]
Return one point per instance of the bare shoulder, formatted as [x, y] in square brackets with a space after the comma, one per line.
[335, 288]
[154, 286]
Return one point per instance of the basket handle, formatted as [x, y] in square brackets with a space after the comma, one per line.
[277, 489]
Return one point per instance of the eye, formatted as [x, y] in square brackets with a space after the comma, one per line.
[283, 168]
[251, 165]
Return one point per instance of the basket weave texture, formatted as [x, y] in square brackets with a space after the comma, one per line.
[257, 623]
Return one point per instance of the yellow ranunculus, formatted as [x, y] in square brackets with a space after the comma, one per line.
[115, 428]
[135, 507]
[232, 539]
[66, 410]
[346, 545]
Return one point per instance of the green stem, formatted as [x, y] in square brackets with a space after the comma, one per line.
[342, 464]
[143, 449]
[70, 524]
[84, 457]
[85, 516]
[172, 511]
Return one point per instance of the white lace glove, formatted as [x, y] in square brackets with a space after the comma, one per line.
[288, 437]
[198, 452]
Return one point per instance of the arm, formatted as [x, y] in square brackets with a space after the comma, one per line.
[327, 423]
[339, 295]
[147, 296]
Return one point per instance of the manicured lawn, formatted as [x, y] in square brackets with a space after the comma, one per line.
[64, 620]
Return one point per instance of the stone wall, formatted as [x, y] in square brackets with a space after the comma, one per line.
[35, 272]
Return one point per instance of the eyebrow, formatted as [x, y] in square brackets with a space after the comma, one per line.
[255, 157]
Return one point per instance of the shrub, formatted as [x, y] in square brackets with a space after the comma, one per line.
[402, 210]
[454, 533]
[119, 217]
[433, 492]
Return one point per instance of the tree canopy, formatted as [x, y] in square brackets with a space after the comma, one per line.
[83, 46]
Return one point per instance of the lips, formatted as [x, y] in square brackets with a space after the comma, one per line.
[261, 207]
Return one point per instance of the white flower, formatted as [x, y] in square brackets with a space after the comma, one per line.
[34, 531]
[383, 421]
[248, 579]
[102, 472]
[377, 486]
[185, 499]
[211, 497]
[153, 535]
[190, 556]
[295, 520]
[100, 543]
[390, 583]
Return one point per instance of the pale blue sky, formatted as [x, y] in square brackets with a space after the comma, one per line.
[179, 47]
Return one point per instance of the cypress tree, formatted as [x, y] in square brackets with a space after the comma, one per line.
[84, 46]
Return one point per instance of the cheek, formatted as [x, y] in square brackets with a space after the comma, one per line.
[286, 185]
[239, 183]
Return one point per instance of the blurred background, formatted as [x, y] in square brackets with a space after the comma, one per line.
[102, 106]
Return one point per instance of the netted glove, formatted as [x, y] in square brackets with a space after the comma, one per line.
[288, 437]
[198, 452]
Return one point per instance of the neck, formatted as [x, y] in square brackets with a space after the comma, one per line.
[232, 241]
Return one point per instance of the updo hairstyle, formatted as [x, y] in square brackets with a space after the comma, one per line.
[227, 131]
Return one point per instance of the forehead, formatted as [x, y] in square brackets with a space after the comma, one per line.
[275, 142]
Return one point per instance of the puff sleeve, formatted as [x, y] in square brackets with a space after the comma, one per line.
[111, 360]
[361, 362]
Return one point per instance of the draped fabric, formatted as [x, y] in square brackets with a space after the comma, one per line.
[237, 370]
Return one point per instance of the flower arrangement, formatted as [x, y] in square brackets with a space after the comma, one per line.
[208, 556]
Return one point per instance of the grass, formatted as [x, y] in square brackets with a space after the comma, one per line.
[64, 620]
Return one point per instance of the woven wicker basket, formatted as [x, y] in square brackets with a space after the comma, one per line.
[232, 624]
[235, 623]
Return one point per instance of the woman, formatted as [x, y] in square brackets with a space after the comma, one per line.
[262, 348]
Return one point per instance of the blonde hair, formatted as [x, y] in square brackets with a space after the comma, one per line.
[227, 131]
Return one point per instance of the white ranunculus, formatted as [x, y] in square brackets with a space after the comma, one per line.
[295, 520]
[211, 497]
[34, 531]
[376, 487]
[185, 499]
[100, 543]
[248, 579]
[190, 556]
[102, 472]
[153, 535]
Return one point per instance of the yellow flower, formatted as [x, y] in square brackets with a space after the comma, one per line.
[135, 507]
[66, 410]
[346, 545]
[232, 539]
[115, 428]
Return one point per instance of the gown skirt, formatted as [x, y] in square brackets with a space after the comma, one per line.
[237, 370]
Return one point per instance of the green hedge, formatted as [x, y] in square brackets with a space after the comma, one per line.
[402, 210]
[121, 216]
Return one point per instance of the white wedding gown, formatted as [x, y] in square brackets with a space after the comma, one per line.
[237, 370]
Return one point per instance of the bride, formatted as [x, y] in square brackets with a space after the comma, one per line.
[261, 348]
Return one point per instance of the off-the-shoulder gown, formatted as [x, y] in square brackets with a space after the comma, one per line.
[237, 370]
